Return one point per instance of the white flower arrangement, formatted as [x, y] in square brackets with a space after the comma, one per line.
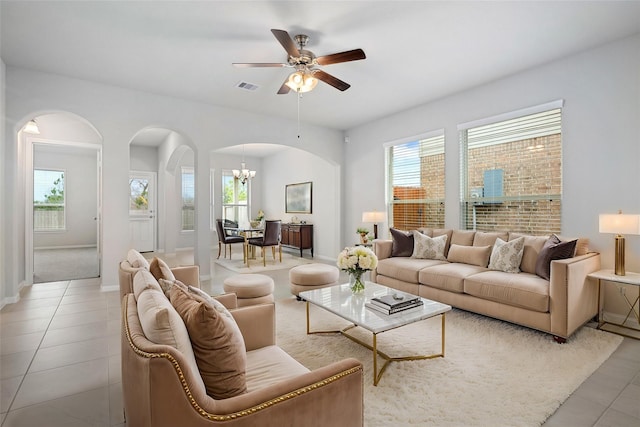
[357, 259]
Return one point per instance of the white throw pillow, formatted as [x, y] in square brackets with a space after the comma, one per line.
[136, 259]
[425, 247]
[506, 256]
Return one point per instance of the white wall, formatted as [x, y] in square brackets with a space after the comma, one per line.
[118, 114]
[143, 158]
[293, 166]
[3, 239]
[601, 141]
[80, 179]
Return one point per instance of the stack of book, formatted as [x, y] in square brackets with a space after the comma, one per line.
[391, 304]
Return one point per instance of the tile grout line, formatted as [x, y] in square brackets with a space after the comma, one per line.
[35, 353]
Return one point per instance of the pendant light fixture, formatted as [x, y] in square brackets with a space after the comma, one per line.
[243, 174]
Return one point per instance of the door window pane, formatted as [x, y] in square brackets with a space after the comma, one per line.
[48, 200]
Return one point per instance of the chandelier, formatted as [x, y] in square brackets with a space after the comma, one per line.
[243, 174]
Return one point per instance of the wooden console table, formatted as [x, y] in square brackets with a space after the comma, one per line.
[298, 236]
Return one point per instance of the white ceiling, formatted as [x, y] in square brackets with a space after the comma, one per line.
[417, 51]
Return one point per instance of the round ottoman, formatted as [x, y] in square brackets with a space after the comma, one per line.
[312, 276]
[250, 289]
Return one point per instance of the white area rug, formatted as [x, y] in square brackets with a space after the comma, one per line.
[255, 265]
[493, 374]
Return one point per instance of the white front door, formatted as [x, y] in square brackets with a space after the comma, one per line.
[142, 211]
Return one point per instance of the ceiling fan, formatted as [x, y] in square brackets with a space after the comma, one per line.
[305, 63]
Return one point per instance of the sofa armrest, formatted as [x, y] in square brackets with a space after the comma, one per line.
[382, 248]
[257, 324]
[230, 300]
[189, 275]
[573, 296]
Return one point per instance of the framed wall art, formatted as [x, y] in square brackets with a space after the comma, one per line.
[297, 198]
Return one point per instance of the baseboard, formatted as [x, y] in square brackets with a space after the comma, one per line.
[13, 299]
[41, 248]
[205, 277]
[109, 288]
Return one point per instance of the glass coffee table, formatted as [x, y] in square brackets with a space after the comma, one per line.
[340, 301]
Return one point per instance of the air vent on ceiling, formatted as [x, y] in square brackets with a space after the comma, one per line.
[247, 86]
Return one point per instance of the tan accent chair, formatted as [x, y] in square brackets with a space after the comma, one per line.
[160, 390]
[270, 237]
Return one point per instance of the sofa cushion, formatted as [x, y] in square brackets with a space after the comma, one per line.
[160, 270]
[474, 255]
[443, 232]
[161, 324]
[506, 256]
[582, 244]
[520, 290]
[405, 269]
[425, 247]
[136, 259]
[402, 243]
[449, 276]
[485, 238]
[142, 280]
[462, 237]
[218, 346]
[553, 249]
[532, 247]
[270, 365]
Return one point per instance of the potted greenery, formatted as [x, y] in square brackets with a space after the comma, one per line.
[364, 234]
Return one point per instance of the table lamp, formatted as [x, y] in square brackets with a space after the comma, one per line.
[375, 217]
[619, 224]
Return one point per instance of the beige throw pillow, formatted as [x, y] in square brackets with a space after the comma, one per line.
[162, 325]
[506, 256]
[425, 247]
[143, 280]
[473, 255]
[136, 259]
[218, 347]
[160, 269]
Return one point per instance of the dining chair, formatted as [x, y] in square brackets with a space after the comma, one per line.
[270, 237]
[226, 239]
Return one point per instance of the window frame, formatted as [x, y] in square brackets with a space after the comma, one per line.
[237, 205]
[63, 173]
[541, 121]
[426, 138]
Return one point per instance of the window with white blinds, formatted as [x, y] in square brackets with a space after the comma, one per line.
[235, 199]
[188, 217]
[415, 183]
[511, 174]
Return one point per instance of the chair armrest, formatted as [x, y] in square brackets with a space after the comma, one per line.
[230, 300]
[257, 324]
[573, 296]
[189, 275]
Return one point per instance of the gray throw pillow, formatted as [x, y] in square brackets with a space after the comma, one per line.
[402, 244]
[552, 250]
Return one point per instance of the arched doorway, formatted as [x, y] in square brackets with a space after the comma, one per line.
[62, 199]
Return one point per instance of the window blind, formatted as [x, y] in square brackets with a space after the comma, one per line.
[415, 181]
[511, 174]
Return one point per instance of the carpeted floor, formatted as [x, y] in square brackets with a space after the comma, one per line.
[493, 374]
[52, 265]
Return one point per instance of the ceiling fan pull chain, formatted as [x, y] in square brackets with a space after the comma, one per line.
[299, 96]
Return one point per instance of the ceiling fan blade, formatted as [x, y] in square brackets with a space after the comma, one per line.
[287, 42]
[331, 80]
[349, 55]
[259, 64]
[284, 89]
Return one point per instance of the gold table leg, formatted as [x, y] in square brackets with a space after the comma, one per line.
[374, 347]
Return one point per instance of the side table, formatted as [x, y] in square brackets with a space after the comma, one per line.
[628, 279]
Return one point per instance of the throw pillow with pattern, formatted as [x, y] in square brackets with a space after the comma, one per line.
[506, 256]
[425, 247]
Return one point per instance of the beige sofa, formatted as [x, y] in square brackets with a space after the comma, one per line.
[558, 306]
[162, 386]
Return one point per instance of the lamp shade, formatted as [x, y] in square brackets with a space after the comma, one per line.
[619, 224]
[374, 216]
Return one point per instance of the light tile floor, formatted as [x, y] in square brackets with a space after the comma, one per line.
[60, 361]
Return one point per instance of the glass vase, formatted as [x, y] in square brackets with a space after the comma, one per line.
[356, 282]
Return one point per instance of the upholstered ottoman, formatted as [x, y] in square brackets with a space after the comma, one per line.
[312, 276]
[251, 289]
